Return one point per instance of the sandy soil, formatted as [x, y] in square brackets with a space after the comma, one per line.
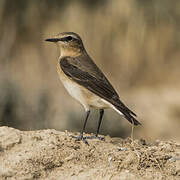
[50, 154]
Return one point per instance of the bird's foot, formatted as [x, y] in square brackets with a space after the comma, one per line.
[81, 138]
[96, 137]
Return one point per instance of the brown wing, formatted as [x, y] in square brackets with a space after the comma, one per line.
[84, 72]
[88, 75]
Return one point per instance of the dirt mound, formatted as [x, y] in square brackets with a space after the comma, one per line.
[49, 154]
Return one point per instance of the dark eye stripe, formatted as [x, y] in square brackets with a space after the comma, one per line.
[68, 38]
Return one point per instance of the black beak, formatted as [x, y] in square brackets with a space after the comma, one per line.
[53, 39]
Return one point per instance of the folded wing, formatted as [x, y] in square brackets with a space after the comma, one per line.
[88, 75]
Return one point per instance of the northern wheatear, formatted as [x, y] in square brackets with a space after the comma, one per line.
[85, 82]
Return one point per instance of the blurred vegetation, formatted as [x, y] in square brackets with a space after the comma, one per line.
[136, 43]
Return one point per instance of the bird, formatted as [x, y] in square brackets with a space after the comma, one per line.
[85, 82]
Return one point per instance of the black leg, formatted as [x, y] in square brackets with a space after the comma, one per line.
[85, 122]
[78, 138]
[101, 111]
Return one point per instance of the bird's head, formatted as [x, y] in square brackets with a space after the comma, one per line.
[70, 43]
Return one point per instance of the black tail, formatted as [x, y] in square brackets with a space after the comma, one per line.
[131, 119]
[128, 114]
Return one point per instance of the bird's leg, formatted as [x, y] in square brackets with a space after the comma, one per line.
[80, 137]
[101, 111]
[100, 120]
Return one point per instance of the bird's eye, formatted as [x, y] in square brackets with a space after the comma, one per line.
[69, 38]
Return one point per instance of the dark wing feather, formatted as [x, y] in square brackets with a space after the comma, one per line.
[89, 76]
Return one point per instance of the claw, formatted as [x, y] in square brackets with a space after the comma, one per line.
[96, 137]
[81, 138]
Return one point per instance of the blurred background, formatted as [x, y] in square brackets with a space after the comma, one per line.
[136, 43]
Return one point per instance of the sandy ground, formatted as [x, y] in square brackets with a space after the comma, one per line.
[50, 154]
